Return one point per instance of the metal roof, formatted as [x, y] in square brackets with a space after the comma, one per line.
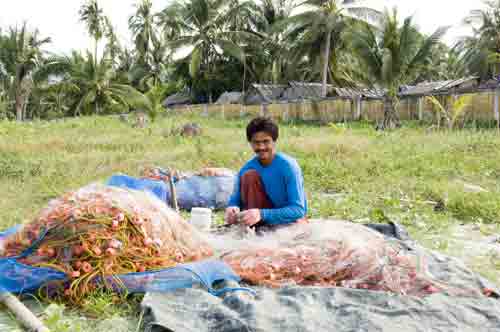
[429, 88]
[229, 98]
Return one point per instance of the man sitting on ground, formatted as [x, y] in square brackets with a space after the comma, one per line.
[269, 189]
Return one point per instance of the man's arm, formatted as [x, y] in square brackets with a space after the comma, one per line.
[235, 199]
[234, 203]
[295, 208]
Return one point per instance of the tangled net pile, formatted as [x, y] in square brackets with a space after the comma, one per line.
[334, 254]
[99, 231]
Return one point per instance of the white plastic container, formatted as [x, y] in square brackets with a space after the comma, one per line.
[201, 218]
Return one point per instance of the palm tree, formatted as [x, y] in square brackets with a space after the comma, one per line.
[142, 26]
[22, 59]
[327, 21]
[146, 75]
[272, 48]
[92, 15]
[482, 50]
[155, 97]
[202, 31]
[445, 64]
[391, 57]
[95, 88]
[4, 88]
[113, 49]
[307, 56]
[52, 100]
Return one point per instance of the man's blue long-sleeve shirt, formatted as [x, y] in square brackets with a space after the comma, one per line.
[284, 186]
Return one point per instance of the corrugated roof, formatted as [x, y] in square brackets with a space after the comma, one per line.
[229, 98]
[303, 90]
[180, 98]
[429, 88]
[270, 91]
[359, 92]
[490, 85]
[264, 93]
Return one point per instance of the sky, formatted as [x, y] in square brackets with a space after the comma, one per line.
[58, 19]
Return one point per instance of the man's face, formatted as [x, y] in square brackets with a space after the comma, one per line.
[264, 147]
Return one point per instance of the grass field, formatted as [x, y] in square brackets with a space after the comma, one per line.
[431, 182]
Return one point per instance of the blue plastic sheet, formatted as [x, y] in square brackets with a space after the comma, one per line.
[199, 191]
[157, 188]
[16, 277]
[194, 191]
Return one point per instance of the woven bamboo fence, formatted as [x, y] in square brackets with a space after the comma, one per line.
[482, 109]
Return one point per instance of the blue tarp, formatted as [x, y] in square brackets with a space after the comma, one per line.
[194, 191]
[157, 188]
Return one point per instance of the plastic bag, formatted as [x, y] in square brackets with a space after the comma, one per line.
[332, 253]
[158, 188]
[201, 191]
[159, 173]
[101, 231]
[209, 187]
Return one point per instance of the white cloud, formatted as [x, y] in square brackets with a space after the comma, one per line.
[58, 19]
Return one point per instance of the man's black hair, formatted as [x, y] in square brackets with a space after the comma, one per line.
[262, 124]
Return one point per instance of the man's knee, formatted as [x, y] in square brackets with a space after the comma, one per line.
[250, 177]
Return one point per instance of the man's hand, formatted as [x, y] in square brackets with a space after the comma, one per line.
[231, 215]
[249, 217]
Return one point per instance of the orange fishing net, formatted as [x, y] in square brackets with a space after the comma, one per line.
[100, 231]
[333, 253]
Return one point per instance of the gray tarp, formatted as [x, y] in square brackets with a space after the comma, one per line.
[317, 309]
[311, 309]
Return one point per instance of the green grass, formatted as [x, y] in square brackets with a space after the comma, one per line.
[413, 176]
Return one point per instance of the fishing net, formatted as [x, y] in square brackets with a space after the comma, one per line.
[335, 253]
[100, 231]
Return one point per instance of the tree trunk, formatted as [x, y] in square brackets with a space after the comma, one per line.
[95, 57]
[19, 105]
[25, 106]
[274, 72]
[496, 108]
[244, 76]
[325, 64]
[391, 118]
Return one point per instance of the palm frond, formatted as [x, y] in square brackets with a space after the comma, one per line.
[367, 14]
[425, 50]
[131, 96]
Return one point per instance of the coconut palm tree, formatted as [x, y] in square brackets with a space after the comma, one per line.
[4, 88]
[271, 49]
[142, 26]
[201, 26]
[113, 49]
[155, 71]
[306, 54]
[22, 62]
[92, 15]
[94, 88]
[151, 50]
[327, 21]
[445, 64]
[391, 57]
[482, 50]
